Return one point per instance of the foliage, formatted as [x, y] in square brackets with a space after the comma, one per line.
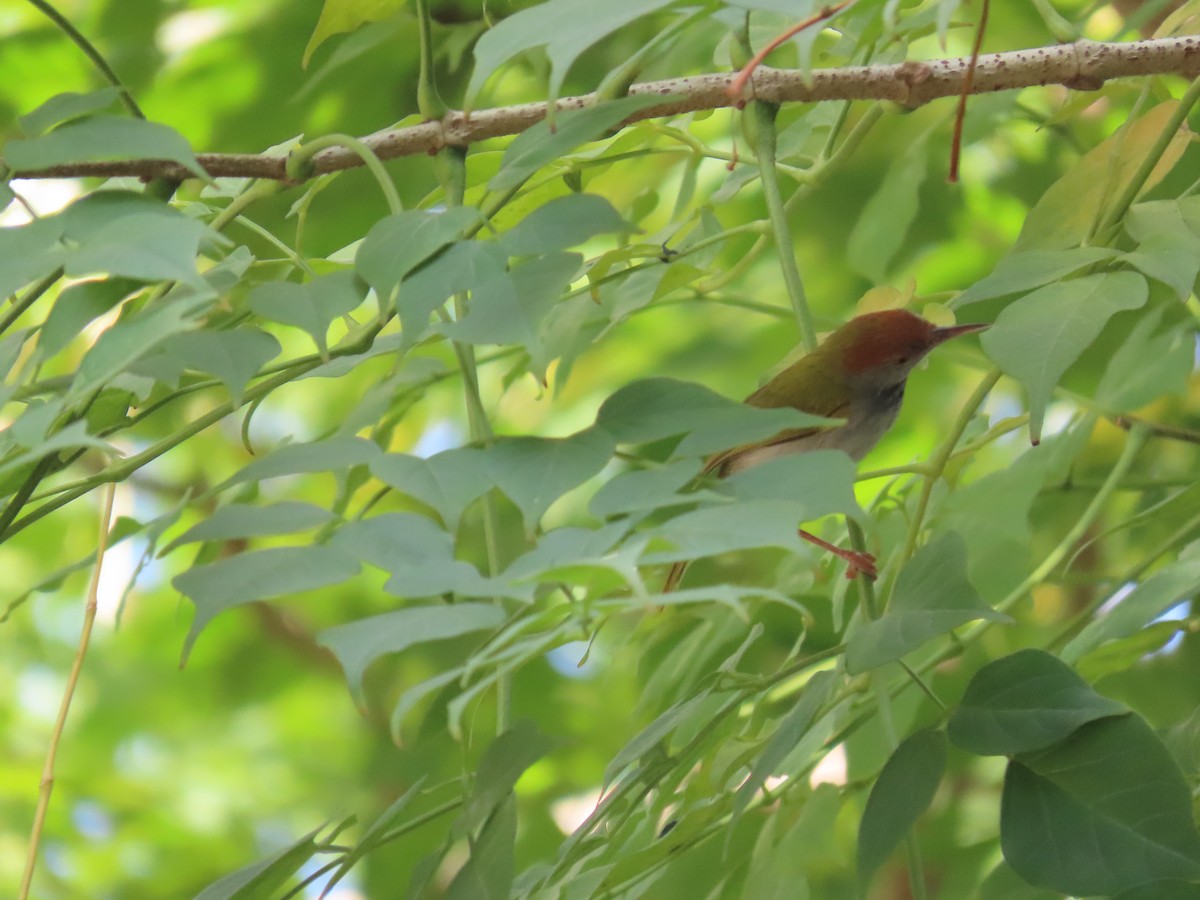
[416, 456]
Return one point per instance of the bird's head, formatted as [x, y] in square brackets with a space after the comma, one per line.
[878, 350]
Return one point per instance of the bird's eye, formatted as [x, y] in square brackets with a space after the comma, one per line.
[902, 360]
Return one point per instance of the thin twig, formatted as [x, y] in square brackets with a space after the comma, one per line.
[968, 81]
[739, 83]
[89, 618]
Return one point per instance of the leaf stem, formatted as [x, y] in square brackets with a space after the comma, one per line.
[299, 164]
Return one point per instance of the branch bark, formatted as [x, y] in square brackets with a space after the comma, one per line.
[1083, 65]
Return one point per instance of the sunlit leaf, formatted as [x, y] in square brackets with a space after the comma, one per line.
[340, 16]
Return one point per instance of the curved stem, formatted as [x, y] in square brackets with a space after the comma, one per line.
[90, 51]
[299, 163]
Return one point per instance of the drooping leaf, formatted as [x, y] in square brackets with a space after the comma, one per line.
[341, 16]
[133, 337]
[489, 870]
[932, 596]
[102, 138]
[236, 521]
[233, 356]
[658, 408]
[1029, 269]
[65, 107]
[329, 455]
[791, 729]
[502, 765]
[1037, 338]
[1024, 702]
[563, 222]
[1070, 208]
[358, 644]
[1104, 811]
[879, 233]
[509, 308]
[29, 252]
[311, 307]
[259, 575]
[534, 472]
[1147, 366]
[447, 481]
[462, 267]
[564, 27]
[396, 245]
[642, 490]
[418, 554]
[903, 790]
[78, 305]
[264, 879]
[159, 244]
[542, 144]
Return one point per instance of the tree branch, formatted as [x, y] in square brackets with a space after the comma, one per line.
[1083, 65]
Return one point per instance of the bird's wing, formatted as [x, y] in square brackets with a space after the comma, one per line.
[718, 462]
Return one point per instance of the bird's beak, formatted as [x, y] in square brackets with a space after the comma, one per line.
[940, 335]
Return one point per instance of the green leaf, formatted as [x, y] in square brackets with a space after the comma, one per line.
[1037, 338]
[564, 27]
[658, 408]
[340, 16]
[881, 227]
[534, 472]
[1023, 702]
[358, 644]
[418, 553]
[461, 267]
[1106, 810]
[821, 480]
[157, 245]
[263, 880]
[653, 734]
[233, 356]
[541, 144]
[567, 547]
[903, 790]
[311, 307]
[502, 765]
[1165, 889]
[237, 521]
[447, 482]
[793, 727]
[1150, 599]
[99, 139]
[736, 526]
[1173, 259]
[332, 454]
[509, 309]
[932, 596]
[374, 836]
[1069, 210]
[488, 872]
[563, 222]
[1024, 271]
[65, 107]
[1147, 366]
[399, 243]
[29, 252]
[642, 490]
[131, 338]
[259, 575]
[78, 305]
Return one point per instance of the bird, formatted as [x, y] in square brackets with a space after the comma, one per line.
[858, 374]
